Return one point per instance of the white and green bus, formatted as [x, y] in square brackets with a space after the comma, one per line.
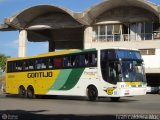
[93, 73]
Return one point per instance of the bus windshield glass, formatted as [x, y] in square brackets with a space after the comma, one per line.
[131, 65]
[132, 71]
[118, 65]
[127, 54]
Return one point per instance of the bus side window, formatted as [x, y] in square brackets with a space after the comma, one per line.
[44, 63]
[38, 64]
[58, 63]
[10, 67]
[86, 59]
[26, 66]
[31, 64]
[82, 60]
[18, 66]
[50, 63]
[13, 66]
[66, 61]
[74, 61]
[92, 59]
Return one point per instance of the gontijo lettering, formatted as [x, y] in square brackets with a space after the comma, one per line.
[39, 74]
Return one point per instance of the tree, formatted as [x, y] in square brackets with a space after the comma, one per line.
[3, 60]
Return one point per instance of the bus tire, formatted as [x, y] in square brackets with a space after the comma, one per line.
[21, 91]
[115, 99]
[30, 92]
[92, 93]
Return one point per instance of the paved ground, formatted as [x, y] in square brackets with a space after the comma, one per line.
[71, 107]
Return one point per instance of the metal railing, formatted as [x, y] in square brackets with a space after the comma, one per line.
[126, 37]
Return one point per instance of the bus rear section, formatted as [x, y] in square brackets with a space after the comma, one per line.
[57, 73]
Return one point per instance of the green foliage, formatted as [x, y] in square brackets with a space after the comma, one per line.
[3, 60]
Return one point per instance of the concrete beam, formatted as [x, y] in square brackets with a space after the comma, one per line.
[125, 44]
[88, 37]
[51, 46]
[22, 43]
[4, 26]
[152, 70]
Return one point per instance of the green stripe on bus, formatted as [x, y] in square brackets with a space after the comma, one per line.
[73, 79]
[61, 79]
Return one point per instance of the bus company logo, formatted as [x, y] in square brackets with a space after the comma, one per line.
[4, 116]
[110, 90]
[39, 74]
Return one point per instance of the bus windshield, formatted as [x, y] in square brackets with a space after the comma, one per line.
[132, 71]
[131, 65]
[128, 54]
[118, 65]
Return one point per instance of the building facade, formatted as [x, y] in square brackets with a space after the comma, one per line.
[131, 24]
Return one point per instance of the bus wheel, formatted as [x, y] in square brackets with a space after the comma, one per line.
[115, 99]
[30, 92]
[92, 93]
[21, 91]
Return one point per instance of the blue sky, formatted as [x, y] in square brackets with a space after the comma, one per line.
[9, 40]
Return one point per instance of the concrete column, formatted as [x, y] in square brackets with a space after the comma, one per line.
[88, 37]
[22, 43]
[51, 45]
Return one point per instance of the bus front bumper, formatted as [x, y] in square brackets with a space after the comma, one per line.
[132, 91]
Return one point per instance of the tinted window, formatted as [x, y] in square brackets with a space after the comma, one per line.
[67, 61]
[86, 59]
[123, 54]
[50, 63]
[58, 62]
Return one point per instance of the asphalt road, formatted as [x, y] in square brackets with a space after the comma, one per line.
[71, 107]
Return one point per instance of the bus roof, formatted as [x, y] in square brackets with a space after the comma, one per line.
[63, 52]
[70, 51]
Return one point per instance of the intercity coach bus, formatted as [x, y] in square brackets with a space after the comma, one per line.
[93, 73]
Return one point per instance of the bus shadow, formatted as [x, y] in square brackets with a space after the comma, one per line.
[79, 98]
[120, 101]
[42, 97]
[75, 98]
[38, 115]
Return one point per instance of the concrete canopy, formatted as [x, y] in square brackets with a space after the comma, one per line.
[25, 17]
[107, 5]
